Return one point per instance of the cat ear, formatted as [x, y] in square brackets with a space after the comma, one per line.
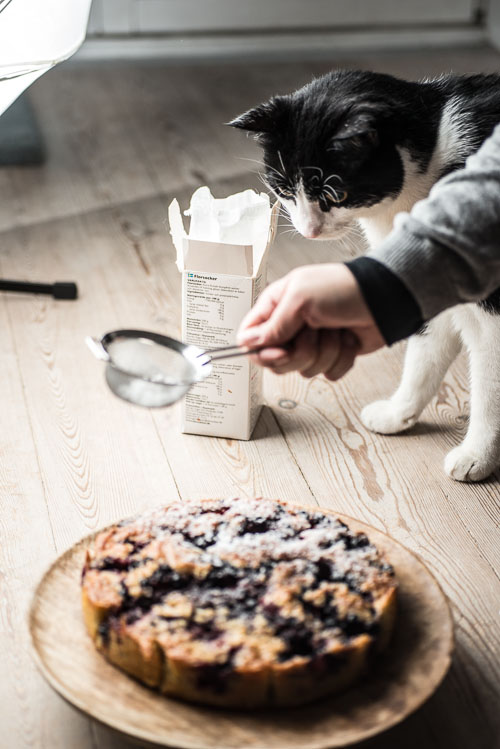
[266, 118]
[359, 129]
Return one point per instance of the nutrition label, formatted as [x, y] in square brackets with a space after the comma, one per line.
[213, 307]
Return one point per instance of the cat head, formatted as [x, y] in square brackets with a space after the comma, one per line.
[330, 151]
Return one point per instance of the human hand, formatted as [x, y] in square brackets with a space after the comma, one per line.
[313, 320]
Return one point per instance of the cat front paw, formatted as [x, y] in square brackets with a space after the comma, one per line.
[388, 417]
[464, 464]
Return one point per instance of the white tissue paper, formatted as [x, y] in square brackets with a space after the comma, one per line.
[239, 226]
[223, 263]
[239, 219]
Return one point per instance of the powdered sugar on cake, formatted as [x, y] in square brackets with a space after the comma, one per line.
[239, 584]
[245, 532]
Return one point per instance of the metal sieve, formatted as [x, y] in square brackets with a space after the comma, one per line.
[153, 370]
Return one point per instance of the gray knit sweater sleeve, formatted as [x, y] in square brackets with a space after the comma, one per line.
[447, 250]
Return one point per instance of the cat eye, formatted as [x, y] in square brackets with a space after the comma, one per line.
[339, 197]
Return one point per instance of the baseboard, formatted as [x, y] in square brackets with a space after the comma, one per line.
[276, 45]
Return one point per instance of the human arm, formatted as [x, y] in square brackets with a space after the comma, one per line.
[445, 252]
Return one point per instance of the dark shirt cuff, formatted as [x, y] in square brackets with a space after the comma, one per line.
[393, 307]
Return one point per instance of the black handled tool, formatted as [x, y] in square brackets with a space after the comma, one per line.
[59, 290]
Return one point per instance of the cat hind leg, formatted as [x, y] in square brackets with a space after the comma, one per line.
[479, 453]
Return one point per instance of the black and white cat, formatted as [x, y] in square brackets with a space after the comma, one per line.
[356, 146]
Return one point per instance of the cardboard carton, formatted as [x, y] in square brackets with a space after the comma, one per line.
[220, 283]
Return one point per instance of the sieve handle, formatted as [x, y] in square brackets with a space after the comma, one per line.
[228, 352]
[95, 345]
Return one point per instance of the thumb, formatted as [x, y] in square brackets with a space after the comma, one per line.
[283, 324]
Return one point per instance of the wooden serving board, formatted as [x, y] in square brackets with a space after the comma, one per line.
[401, 680]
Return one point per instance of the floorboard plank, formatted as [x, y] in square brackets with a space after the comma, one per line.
[30, 712]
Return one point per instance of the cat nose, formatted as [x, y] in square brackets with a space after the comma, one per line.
[312, 231]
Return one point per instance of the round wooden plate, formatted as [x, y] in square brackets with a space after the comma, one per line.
[402, 679]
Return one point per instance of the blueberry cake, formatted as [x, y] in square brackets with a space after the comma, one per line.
[238, 603]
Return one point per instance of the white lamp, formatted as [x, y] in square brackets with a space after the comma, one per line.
[34, 36]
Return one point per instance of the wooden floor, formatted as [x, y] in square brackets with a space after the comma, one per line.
[123, 139]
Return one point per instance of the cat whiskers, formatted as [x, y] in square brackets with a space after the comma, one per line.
[288, 223]
[332, 176]
[331, 191]
[356, 230]
[344, 244]
[266, 184]
[318, 168]
[282, 165]
[350, 240]
[266, 166]
[291, 230]
[286, 213]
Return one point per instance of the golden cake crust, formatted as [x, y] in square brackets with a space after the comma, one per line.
[238, 603]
